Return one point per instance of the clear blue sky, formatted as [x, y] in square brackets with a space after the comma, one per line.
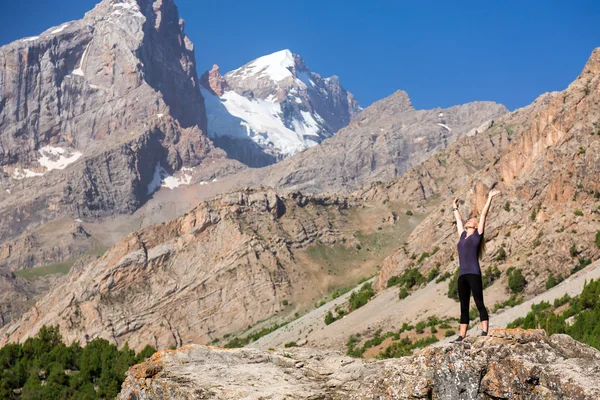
[441, 52]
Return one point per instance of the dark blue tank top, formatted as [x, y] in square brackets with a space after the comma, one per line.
[467, 253]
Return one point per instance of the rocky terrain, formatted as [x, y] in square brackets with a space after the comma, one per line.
[273, 107]
[547, 217]
[229, 263]
[508, 364]
[382, 143]
[95, 115]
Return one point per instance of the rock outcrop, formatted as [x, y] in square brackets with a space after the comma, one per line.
[214, 82]
[548, 171]
[382, 143]
[227, 264]
[94, 114]
[508, 364]
[274, 107]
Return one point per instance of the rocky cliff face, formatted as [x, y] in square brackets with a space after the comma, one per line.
[94, 116]
[274, 107]
[547, 217]
[380, 144]
[508, 364]
[227, 264]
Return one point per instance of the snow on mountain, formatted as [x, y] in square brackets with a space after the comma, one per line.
[273, 107]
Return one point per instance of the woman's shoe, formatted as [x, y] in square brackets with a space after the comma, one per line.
[483, 333]
[458, 339]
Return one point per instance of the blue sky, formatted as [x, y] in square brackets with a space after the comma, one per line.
[441, 52]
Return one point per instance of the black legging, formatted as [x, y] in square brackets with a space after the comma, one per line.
[468, 283]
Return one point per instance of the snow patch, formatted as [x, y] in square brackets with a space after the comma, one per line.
[441, 115]
[19, 174]
[62, 28]
[214, 180]
[133, 7]
[31, 39]
[79, 71]
[57, 158]
[160, 115]
[445, 126]
[260, 121]
[275, 66]
[298, 100]
[162, 178]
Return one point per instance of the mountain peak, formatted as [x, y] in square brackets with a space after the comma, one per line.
[593, 64]
[275, 66]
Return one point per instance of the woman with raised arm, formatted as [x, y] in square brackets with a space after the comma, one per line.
[470, 250]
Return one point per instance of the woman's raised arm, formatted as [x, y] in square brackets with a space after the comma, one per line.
[488, 203]
[459, 221]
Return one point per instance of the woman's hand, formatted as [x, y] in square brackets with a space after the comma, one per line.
[455, 202]
[493, 194]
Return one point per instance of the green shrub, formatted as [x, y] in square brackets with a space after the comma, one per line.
[411, 277]
[453, 286]
[585, 308]
[516, 281]
[100, 367]
[443, 277]
[473, 313]
[491, 275]
[360, 298]
[510, 302]
[405, 346]
[573, 251]
[598, 239]
[409, 213]
[579, 213]
[284, 302]
[433, 274]
[420, 327]
[393, 281]
[290, 344]
[433, 329]
[533, 214]
[562, 301]
[501, 256]
[422, 257]
[582, 264]
[403, 293]
[329, 318]
[507, 206]
[551, 282]
[449, 333]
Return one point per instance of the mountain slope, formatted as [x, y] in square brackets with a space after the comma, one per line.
[547, 218]
[229, 263]
[94, 116]
[273, 107]
[381, 143]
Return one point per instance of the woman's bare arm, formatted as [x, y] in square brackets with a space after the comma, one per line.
[459, 221]
[486, 208]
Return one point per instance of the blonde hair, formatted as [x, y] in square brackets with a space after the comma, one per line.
[481, 247]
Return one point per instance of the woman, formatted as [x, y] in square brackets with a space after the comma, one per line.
[470, 250]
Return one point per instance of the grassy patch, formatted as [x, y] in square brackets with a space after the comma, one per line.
[585, 309]
[62, 268]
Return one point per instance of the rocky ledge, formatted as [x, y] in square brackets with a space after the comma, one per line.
[508, 364]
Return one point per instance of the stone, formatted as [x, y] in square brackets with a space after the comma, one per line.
[513, 364]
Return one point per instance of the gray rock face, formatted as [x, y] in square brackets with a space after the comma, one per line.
[89, 111]
[274, 107]
[508, 364]
[381, 143]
